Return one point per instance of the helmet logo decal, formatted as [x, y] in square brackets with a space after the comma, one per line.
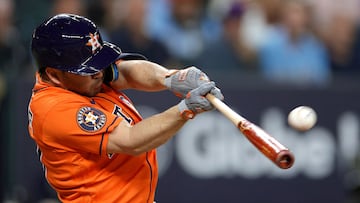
[90, 119]
[94, 42]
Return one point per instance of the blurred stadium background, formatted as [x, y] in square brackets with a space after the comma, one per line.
[267, 56]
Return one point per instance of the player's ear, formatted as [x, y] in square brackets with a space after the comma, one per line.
[53, 75]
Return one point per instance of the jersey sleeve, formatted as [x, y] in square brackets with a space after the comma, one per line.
[76, 126]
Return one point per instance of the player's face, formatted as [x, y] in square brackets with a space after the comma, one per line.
[85, 85]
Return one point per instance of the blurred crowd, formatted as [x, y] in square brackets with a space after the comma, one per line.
[297, 42]
[303, 43]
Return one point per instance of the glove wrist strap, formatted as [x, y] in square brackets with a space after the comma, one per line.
[185, 112]
[168, 75]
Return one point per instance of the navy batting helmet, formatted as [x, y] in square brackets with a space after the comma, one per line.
[73, 43]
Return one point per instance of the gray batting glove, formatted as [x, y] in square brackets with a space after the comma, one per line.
[195, 101]
[181, 82]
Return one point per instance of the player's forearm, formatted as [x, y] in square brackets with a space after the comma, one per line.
[146, 135]
[141, 75]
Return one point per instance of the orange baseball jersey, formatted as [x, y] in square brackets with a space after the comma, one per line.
[71, 132]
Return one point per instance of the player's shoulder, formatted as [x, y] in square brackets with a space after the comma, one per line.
[54, 97]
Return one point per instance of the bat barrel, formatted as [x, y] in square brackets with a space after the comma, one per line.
[268, 145]
[284, 159]
[265, 143]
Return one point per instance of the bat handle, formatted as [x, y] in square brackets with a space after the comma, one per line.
[225, 109]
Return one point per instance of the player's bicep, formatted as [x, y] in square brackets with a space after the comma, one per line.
[121, 83]
[119, 139]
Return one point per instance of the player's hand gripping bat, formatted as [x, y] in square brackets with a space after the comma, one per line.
[265, 143]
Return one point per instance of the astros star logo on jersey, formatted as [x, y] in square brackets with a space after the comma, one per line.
[90, 119]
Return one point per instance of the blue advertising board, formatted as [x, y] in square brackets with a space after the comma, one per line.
[209, 160]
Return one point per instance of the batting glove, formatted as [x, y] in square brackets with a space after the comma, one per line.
[180, 82]
[195, 101]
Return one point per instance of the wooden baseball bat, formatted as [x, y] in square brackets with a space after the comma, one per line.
[266, 144]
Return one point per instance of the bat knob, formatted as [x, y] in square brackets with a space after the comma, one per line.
[285, 159]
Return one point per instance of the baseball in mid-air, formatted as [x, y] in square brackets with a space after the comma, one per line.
[302, 118]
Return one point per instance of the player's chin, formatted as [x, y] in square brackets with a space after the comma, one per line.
[94, 91]
[91, 92]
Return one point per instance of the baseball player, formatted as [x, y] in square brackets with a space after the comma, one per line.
[93, 144]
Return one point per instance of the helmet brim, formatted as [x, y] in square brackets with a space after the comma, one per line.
[108, 54]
